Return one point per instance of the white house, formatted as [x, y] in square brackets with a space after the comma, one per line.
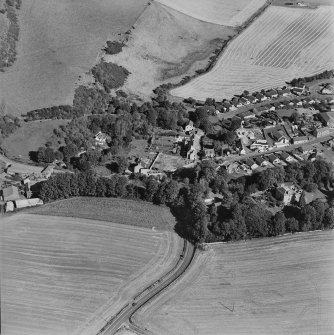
[189, 127]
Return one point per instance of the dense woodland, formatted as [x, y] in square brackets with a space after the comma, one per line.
[239, 217]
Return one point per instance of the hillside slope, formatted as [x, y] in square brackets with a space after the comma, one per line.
[166, 45]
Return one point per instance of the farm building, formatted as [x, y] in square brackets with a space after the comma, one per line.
[10, 193]
[28, 203]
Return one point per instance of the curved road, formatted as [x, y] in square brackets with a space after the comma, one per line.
[127, 312]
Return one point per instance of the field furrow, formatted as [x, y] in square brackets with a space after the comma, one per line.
[282, 44]
[62, 275]
[277, 286]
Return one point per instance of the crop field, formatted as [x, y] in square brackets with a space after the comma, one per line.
[283, 43]
[283, 285]
[67, 275]
[30, 136]
[166, 45]
[60, 40]
[135, 213]
[228, 13]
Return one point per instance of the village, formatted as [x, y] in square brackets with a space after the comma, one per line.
[275, 127]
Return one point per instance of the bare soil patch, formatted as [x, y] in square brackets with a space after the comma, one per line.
[68, 275]
[60, 40]
[283, 285]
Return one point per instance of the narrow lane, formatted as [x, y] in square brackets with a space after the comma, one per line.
[124, 315]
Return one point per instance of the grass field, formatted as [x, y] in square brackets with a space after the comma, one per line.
[282, 44]
[60, 40]
[283, 285]
[228, 13]
[30, 136]
[165, 46]
[113, 210]
[67, 275]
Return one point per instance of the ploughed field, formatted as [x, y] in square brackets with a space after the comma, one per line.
[63, 275]
[58, 41]
[282, 285]
[282, 44]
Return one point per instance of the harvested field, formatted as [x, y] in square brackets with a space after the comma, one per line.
[283, 285]
[135, 213]
[59, 41]
[227, 13]
[166, 45]
[67, 275]
[29, 137]
[282, 44]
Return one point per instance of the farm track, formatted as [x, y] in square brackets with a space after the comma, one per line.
[294, 44]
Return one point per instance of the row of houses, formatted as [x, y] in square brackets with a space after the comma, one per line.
[257, 97]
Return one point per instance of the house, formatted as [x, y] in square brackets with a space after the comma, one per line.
[10, 193]
[299, 90]
[277, 136]
[189, 127]
[285, 156]
[261, 161]
[209, 153]
[306, 149]
[273, 159]
[244, 101]
[271, 94]
[251, 164]
[328, 89]
[226, 105]
[261, 97]
[47, 172]
[252, 99]
[328, 119]
[321, 132]
[207, 142]
[299, 139]
[246, 115]
[101, 139]
[288, 193]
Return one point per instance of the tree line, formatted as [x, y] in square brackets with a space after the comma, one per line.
[239, 216]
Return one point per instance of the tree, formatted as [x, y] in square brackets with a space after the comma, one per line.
[308, 218]
[292, 225]
[256, 219]
[278, 223]
[320, 209]
[328, 220]
[122, 164]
